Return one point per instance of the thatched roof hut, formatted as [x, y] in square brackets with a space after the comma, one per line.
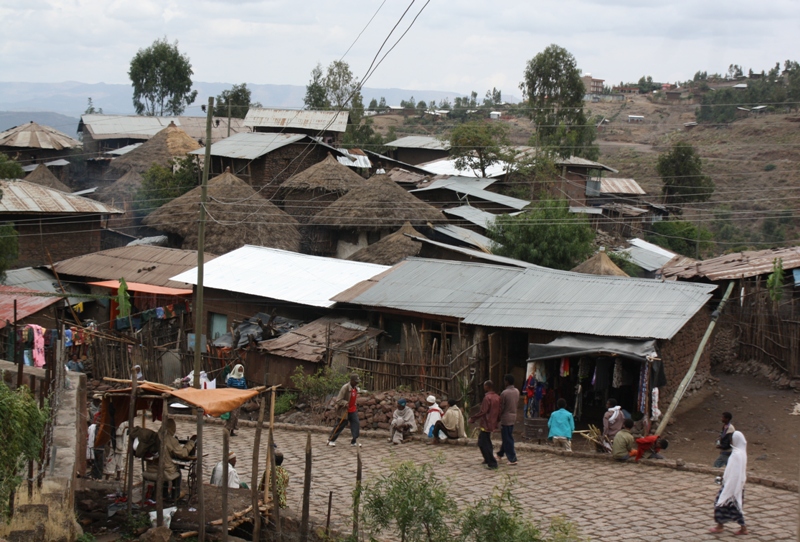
[237, 215]
[313, 189]
[36, 136]
[43, 176]
[122, 190]
[600, 264]
[171, 142]
[391, 249]
[377, 205]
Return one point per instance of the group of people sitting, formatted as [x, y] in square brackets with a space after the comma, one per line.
[441, 423]
[617, 425]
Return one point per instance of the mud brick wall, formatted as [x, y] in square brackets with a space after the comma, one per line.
[271, 170]
[375, 411]
[64, 237]
[678, 352]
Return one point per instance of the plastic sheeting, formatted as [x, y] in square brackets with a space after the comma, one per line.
[589, 345]
[217, 401]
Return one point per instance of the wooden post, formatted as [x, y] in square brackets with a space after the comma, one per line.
[43, 388]
[254, 474]
[198, 469]
[328, 518]
[357, 494]
[306, 492]
[276, 509]
[32, 385]
[162, 453]
[129, 464]
[17, 358]
[226, 436]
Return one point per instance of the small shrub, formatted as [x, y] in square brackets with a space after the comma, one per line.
[316, 388]
[284, 403]
[770, 167]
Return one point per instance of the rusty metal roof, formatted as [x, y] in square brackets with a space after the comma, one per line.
[42, 280]
[311, 341]
[288, 119]
[36, 136]
[734, 266]
[26, 197]
[28, 302]
[535, 298]
[610, 185]
[143, 264]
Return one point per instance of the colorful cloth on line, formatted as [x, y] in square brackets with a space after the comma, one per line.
[38, 345]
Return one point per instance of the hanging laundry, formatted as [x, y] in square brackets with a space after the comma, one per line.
[616, 381]
[78, 307]
[67, 338]
[540, 371]
[77, 336]
[655, 412]
[160, 313]
[642, 397]
[169, 311]
[659, 377]
[122, 323]
[38, 345]
[27, 356]
[564, 369]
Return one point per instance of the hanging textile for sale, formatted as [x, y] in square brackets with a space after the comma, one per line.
[67, 338]
[564, 369]
[583, 369]
[656, 413]
[603, 370]
[616, 381]
[38, 345]
[642, 397]
[540, 371]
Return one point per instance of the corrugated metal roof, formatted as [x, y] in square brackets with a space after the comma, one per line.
[447, 166]
[144, 264]
[288, 119]
[28, 302]
[537, 298]
[25, 197]
[354, 158]
[312, 341]
[282, 275]
[251, 145]
[419, 142]
[144, 288]
[36, 136]
[124, 150]
[462, 185]
[41, 280]
[477, 183]
[646, 255]
[483, 256]
[466, 236]
[609, 185]
[737, 265]
[583, 162]
[140, 127]
[54, 163]
[586, 210]
[471, 214]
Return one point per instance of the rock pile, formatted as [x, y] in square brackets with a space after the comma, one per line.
[375, 410]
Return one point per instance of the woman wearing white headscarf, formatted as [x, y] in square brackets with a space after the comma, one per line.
[235, 380]
[730, 498]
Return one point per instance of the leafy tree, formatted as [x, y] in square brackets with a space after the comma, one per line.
[9, 169]
[412, 502]
[373, 104]
[91, 109]
[646, 85]
[239, 98]
[493, 97]
[681, 171]
[162, 80]
[411, 103]
[316, 95]
[477, 145]
[624, 262]
[554, 92]
[382, 104]
[547, 234]
[161, 184]
[422, 105]
[681, 236]
[340, 84]
[22, 425]
[359, 132]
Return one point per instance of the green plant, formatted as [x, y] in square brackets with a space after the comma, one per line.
[86, 537]
[284, 403]
[134, 525]
[22, 425]
[770, 167]
[624, 262]
[411, 501]
[316, 388]
[775, 281]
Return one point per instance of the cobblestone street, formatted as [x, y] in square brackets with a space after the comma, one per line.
[608, 501]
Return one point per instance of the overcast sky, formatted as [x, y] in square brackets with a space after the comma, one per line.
[454, 45]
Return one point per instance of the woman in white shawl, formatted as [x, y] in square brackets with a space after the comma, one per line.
[434, 415]
[235, 380]
[730, 498]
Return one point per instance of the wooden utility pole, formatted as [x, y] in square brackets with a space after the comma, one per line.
[276, 508]
[226, 436]
[131, 421]
[357, 494]
[198, 320]
[229, 117]
[17, 357]
[254, 473]
[306, 492]
[162, 453]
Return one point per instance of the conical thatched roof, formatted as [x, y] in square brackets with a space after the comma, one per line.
[391, 249]
[43, 176]
[36, 136]
[378, 204]
[237, 216]
[327, 176]
[600, 264]
[171, 142]
[123, 189]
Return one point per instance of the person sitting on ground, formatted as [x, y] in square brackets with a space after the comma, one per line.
[724, 441]
[622, 447]
[434, 415]
[451, 426]
[561, 425]
[74, 365]
[233, 476]
[612, 420]
[281, 481]
[648, 447]
[403, 423]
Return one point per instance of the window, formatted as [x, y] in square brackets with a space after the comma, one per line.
[217, 325]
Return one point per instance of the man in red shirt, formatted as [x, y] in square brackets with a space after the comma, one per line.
[648, 447]
[488, 417]
[348, 397]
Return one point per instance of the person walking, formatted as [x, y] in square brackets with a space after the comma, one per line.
[509, 399]
[347, 412]
[730, 499]
[724, 441]
[488, 417]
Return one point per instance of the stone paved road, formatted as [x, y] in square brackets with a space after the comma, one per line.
[608, 501]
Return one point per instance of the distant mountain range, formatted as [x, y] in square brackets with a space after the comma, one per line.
[70, 98]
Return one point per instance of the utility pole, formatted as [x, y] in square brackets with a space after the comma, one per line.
[198, 320]
[229, 117]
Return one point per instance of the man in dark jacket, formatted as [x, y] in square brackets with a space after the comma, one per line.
[347, 411]
[488, 418]
[724, 442]
[509, 400]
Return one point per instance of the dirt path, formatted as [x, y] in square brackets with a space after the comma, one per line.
[759, 411]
